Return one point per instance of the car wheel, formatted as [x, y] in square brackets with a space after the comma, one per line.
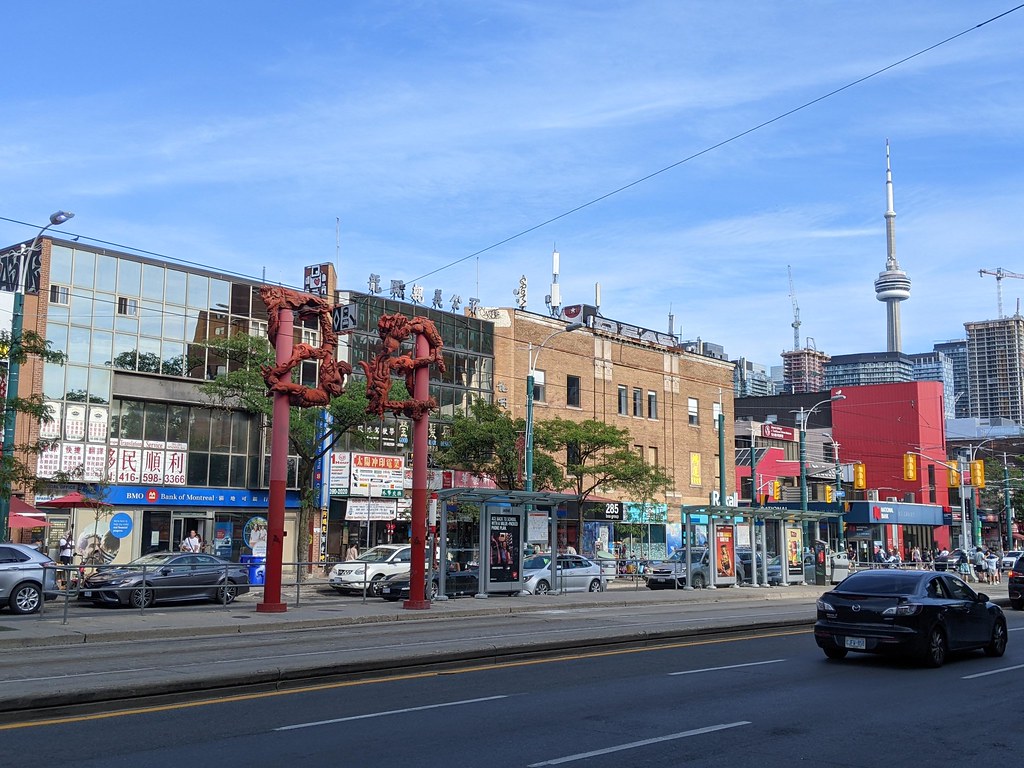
[26, 598]
[140, 598]
[377, 585]
[935, 650]
[434, 590]
[698, 581]
[226, 593]
[834, 652]
[542, 588]
[997, 646]
[595, 585]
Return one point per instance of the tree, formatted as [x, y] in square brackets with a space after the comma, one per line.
[596, 455]
[647, 483]
[15, 472]
[488, 441]
[242, 387]
[992, 496]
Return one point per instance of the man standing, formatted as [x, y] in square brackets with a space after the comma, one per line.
[66, 553]
[193, 543]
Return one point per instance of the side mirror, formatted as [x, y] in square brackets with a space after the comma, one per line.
[982, 597]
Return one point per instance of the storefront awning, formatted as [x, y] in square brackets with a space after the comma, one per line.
[499, 496]
[758, 513]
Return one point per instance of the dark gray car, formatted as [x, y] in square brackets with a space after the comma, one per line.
[27, 577]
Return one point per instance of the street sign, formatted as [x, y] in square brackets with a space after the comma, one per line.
[345, 317]
[840, 494]
[391, 493]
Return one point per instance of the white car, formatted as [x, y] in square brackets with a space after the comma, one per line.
[1009, 558]
[369, 570]
[573, 574]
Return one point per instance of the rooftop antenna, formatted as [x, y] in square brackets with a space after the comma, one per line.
[554, 299]
[671, 322]
[597, 298]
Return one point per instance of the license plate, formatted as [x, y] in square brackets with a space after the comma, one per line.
[660, 578]
[386, 591]
[87, 593]
[856, 643]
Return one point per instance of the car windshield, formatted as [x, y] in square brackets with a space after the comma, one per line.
[679, 556]
[156, 558]
[376, 555]
[537, 562]
[882, 582]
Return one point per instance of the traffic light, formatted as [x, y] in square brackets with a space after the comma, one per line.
[953, 476]
[978, 473]
[910, 466]
[860, 477]
[828, 494]
[777, 490]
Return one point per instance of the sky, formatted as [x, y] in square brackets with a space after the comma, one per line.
[455, 145]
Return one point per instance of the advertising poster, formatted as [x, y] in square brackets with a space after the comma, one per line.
[254, 535]
[505, 535]
[725, 553]
[794, 551]
[222, 539]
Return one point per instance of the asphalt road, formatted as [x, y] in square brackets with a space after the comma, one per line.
[755, 701]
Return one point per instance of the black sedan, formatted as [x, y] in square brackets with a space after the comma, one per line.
[166, 577]
[1015, 584]
[921, 613]
[455, 583]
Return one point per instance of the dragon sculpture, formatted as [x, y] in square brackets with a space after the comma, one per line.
[393, 330]
[331, 373]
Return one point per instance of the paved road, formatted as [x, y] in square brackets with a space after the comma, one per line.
[762, 701]
[103, 654]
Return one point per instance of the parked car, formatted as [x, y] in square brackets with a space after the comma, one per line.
[573, 573]
[456, 583]
[1009, 559]
[370, 569]
[164, 577]
[27, 578]
[920, 613]
[1015, 584]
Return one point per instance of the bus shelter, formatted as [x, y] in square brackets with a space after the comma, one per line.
[722, 523]
[508, 520]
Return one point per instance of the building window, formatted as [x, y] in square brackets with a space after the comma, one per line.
[572, 454]
[258, 328]
[59, 294]
[623, 400]
[652, 455]
[127, 307]
[716, 411]
[692, 409]
[538, 387]
[652, 404]
[638, 403]
[572, 391]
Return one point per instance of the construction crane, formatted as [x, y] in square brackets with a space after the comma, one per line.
[796, 310]
[999, 273]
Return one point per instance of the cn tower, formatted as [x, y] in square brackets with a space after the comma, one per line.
[892, 285]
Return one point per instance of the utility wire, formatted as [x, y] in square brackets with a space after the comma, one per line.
[718, 145]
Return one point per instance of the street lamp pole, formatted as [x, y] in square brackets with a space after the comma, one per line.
[1006, 504]
[528, 479]
[803, 416]
[838, 495]
[14, 362]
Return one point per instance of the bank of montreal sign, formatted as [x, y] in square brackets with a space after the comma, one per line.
[193, 497]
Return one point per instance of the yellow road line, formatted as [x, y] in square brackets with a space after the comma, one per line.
[376, 680]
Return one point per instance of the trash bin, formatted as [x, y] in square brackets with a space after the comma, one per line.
[257, 568]
[839, 567]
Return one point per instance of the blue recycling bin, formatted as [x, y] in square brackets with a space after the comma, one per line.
[257, 568]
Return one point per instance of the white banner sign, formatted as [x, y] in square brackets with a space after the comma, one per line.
[371, 509]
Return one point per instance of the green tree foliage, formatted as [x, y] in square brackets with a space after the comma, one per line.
[14, 471]
[992, 496]
[487, 440]
[242, 387]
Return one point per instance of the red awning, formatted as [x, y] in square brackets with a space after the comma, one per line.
[24, 521]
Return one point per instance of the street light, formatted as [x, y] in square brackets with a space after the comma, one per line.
[802, 417]
[13, 362]
[528, 480]
[841, 540]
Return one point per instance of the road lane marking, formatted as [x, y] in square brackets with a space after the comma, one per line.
[731, 666]
[993, 672]
[636, 744]
[388, 679]
[81, 674]
[387, 713]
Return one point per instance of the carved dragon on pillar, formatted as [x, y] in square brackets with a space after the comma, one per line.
[331, 373]
[393, 330]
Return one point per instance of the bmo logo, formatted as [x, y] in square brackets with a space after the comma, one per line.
[152, 495]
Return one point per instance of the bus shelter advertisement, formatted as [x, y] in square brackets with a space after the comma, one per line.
[794, 550]
[725, 554]
[505, 534]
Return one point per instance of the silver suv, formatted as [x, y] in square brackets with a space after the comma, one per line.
[27, 577]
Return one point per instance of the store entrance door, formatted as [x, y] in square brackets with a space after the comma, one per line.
[184, 522]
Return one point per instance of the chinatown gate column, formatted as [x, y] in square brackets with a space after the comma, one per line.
[393, 330]
[420, 429]
[282, 306]
[279, 427]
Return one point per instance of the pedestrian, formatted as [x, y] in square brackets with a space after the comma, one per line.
[963, 566]
[66, 553]
[992, 568]
[978, 561]
[915, 556]
[192, 543]
[352, 553]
